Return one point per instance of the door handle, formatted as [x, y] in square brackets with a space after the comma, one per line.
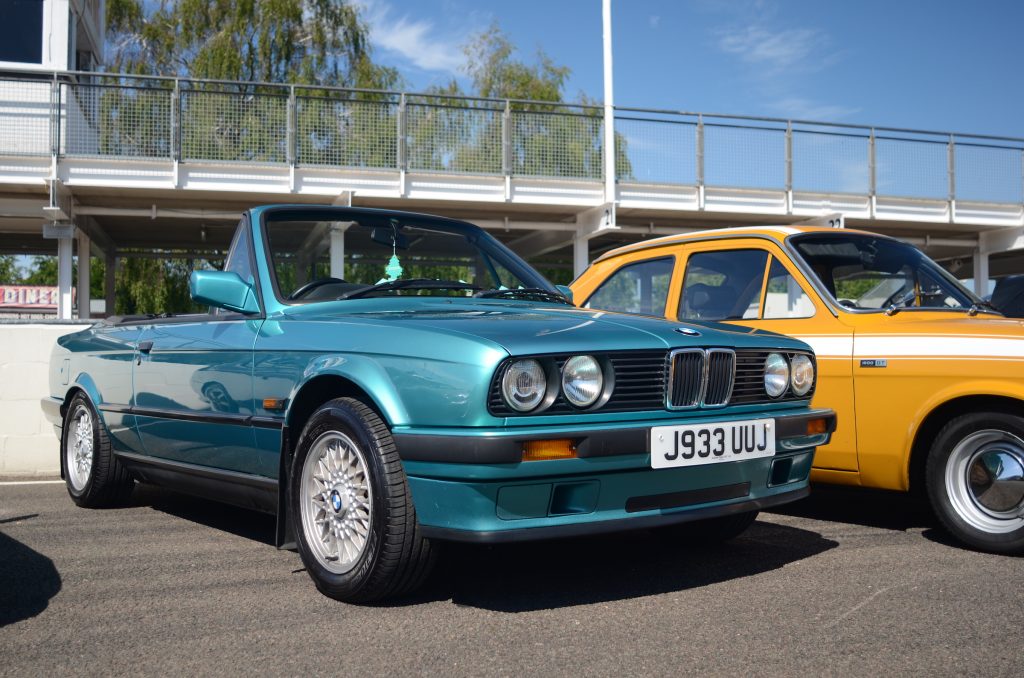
[144, 347]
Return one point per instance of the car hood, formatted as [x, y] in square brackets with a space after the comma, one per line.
[524, 328]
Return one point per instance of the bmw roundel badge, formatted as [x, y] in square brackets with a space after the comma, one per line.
[688, 331]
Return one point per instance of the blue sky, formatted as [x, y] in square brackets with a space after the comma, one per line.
[938, 65]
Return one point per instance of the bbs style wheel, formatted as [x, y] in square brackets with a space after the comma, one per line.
[975, 480]
[93, 475]
[354, 520]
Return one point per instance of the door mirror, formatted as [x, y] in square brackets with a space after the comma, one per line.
[566, 291]
[223, 289]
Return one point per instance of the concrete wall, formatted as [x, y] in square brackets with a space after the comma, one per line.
[28, 446]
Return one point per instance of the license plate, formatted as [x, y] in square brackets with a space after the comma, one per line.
[711, 443]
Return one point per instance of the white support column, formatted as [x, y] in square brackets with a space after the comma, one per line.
[109, 283]
[84, 261]
[980, 272]
[338, 250]
[609, 106]
[580, 254]
[64, 256]
[589, 224]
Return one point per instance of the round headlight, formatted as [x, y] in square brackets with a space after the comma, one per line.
[776, 374]
[524, 385]
[582, 380]
[802, 377]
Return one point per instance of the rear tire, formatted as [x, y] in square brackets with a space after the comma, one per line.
[93, 475]
[713, 530]
[975, 480]
[354, 521]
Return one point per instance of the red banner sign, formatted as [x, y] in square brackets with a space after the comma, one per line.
[28, 297]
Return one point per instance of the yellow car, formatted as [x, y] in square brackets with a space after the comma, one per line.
[927, 379]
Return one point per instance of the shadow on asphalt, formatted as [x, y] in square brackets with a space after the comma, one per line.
[549, 574]
[224, 517]
[29, 580]
[861, 506]
[583, 571]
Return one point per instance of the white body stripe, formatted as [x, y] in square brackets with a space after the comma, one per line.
[830, 346]
[926, 346]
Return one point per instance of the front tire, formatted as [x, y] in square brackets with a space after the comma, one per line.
[975, 480]
[354, 520]
[93, 476]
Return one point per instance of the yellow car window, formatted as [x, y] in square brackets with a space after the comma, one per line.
[637, 288]
[783, 297]
[723, 285]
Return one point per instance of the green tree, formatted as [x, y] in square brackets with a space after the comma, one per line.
[547, 137]
[146, 285]
[314, 42]
[9, 273]
[43, 271]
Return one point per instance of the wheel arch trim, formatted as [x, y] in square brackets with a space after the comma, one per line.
[934, 414]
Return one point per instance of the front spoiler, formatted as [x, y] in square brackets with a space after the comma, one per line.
[609, 526]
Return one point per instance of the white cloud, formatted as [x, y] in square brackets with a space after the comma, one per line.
[417, 41]
[800, 108]
[785, 49]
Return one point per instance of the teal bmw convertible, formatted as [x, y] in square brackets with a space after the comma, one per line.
[384, 382]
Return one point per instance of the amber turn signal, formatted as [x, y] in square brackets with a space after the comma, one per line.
[273, 403]
[815, 426]
[540, 450]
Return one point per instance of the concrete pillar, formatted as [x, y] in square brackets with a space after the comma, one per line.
[84, 266]
[109, 282]
[580, 254]
[338, 250]
[64, 269]
[980, 273]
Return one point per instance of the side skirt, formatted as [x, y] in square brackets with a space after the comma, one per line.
[240, 489]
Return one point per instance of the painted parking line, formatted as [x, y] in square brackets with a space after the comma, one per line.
[31, 482]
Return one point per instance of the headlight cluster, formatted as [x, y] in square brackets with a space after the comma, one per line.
[796, 374]
[525, 383]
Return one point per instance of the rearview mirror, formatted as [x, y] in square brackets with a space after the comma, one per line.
[390, 237]
[223, 289]
[567, 291]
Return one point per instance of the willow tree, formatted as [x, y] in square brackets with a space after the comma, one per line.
[549, 135]
[311, 43]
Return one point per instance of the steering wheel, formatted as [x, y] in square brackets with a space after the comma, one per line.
[849, 303]
[312, 285]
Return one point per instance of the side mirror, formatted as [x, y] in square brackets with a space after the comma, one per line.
[567, 291]
[223, 289]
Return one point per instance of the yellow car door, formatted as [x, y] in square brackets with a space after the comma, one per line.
[751, 283]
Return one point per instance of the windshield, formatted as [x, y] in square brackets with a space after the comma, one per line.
[865, 272]
[347, 254]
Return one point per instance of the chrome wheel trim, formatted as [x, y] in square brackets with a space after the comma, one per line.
[335, 501]
[79, 448]
[985, 481]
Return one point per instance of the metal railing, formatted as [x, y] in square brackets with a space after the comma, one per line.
[194, 121]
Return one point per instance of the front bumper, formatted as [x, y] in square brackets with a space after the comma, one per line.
[477, 488]
[51, 410]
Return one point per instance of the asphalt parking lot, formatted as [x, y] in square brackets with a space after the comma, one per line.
[844, 583]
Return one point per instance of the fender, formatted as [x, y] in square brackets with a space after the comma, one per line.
[976, 388]
[362, 371]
